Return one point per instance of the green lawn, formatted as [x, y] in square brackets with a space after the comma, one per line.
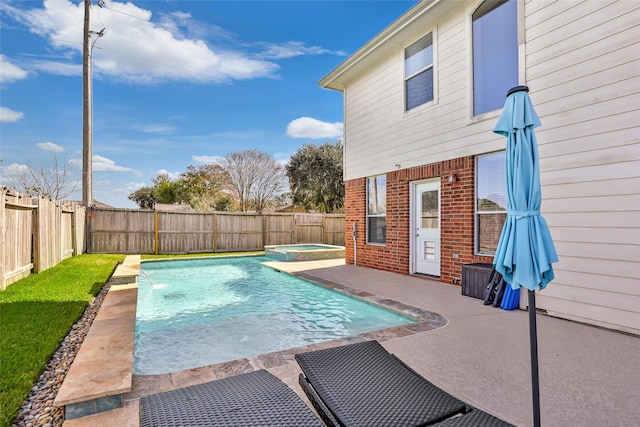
[36, 313]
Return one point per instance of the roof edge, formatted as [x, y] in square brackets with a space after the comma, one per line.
[329, 81]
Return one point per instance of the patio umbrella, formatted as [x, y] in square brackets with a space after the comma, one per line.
[525, 251]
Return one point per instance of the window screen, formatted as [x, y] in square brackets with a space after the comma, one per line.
[495, 53]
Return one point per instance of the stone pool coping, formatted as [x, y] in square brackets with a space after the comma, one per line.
[101, 372]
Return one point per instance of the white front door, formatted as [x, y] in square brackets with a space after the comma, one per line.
[426, 222]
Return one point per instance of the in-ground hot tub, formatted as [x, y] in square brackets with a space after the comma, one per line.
[304, 252]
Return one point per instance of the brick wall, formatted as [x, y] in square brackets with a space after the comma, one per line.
[457, 219]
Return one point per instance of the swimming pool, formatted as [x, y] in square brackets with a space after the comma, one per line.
[199, 312]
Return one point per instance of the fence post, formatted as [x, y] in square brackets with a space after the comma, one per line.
[294, 230]
[215, 233]
[156, 236]
[88, 229]
[81, 230]
[324, 229]
[74, 244]
[35, 227]
[3, 236]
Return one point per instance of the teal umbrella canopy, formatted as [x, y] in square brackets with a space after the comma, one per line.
[525, 251]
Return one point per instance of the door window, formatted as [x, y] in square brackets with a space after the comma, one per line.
[430, 209]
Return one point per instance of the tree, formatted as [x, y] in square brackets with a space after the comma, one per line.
[224, 203]
[144, 197]
[165, 190]
[55, 181]
[204, 188]
[315, 177]
[255, 178]
[283, 200]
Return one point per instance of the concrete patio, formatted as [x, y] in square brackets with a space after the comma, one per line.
[588, 376]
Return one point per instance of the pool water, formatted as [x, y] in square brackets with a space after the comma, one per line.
[199, 312]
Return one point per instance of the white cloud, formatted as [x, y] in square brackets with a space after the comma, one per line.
[182, 15]
[307, 127]
[208, 160]
[135, 47]
[12, 171]
[281, 158]
[9, 116]
[76, 163]
[133, 186]
[102, 164]
[153, 128]
[10, 72]
[58, 68]
[293, 49]
[171, 175]
[50, 147]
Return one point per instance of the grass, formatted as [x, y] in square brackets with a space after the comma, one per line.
[36, 313]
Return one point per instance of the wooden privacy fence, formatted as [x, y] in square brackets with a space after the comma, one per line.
[145, 232]
[37, 233]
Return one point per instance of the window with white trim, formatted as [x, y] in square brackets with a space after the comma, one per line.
[377, 209]
[491, 201]
[418, 72]
[495, 53]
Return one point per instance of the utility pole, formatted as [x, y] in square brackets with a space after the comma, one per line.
[87, 142]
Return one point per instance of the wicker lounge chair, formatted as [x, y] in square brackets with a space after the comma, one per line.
[362, 385]
[254, 399]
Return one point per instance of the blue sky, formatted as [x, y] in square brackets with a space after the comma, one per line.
[175, 83]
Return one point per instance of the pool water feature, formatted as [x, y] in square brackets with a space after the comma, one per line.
[200, 312]
[304, 252]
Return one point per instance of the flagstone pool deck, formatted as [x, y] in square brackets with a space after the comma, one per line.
[588, 376]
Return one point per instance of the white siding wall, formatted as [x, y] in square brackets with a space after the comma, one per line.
[380, 134]
[583, 69]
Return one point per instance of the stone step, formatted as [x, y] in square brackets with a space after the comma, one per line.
[128, 271]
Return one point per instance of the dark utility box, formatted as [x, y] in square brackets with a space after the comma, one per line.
[475, 278]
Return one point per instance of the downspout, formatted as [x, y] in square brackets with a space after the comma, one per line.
[354, 233]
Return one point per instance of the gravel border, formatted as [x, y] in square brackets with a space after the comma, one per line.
[38, 408]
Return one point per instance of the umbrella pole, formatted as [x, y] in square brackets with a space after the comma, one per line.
[533, 342]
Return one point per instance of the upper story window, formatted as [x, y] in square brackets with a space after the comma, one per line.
[377, 209]
[491, 201]
[495, 53]
[418, 72]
